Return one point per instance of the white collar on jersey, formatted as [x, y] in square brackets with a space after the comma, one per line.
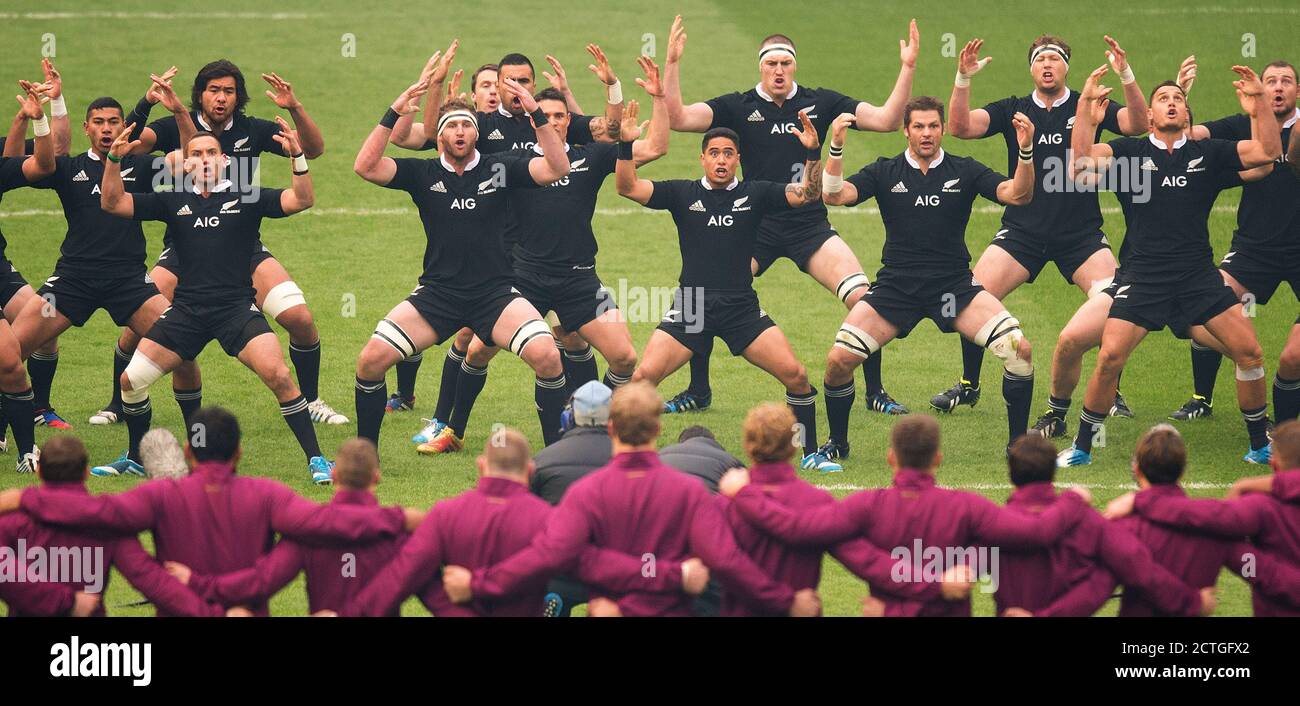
[907, 154]
[221, 186]
[1292, 120]
[501, 108]
[758, 88]
[92, 155]
[472, 163]
[704, 181]
[204, 124]
[1182, 140]
[538, 148]
[1056, 103]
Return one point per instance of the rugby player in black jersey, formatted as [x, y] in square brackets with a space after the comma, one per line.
[461, 197]
[217, 101]
[718, 221]
[215, 228]
[1169, 278]
[925, 197]
[15, 172]
[763, 117]
[1061, 225]
[1265, 249]
[101, 263]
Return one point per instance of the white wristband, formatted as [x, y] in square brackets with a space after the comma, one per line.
[41, 127]
[300, 163]
[614, 93]
[58, 108]
[1126, 76]
[962, 80]
[832, 183]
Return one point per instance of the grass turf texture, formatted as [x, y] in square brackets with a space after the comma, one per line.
[354, 267]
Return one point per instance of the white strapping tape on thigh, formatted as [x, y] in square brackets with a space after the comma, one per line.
[850, 284]
[141, 372]
[1250, 374]
[281, 298]
[1099, 286]
[552, 319]
[527, 332]
[856, 341]
[393, 335]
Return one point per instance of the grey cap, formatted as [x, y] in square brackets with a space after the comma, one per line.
[591, 404]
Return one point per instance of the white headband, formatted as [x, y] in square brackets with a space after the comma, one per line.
[779, 49]
[452, 115]
[1065, 56]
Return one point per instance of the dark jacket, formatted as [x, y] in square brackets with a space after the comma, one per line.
[701, 457]
[580, 451]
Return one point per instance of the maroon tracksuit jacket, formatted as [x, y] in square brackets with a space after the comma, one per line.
[912, 510]
[1286, 485]
[1034, 579]
[477, 529]
[336, 570]
[800, 567]
[637, 505]
[140, 569]
[213, 520]
[1272, 526]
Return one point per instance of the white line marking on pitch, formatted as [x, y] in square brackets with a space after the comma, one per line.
[109, 15]
[1007, 486]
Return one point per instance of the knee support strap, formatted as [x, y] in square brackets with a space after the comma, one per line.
[527, 332]
[851, 284]
[1249, 374]
[141, 372]
[1002, 336]
[281, 298]
[856, 341]
[393, 335]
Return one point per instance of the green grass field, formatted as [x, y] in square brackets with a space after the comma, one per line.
[363, 244]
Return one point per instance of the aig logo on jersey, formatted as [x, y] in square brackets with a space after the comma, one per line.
[1174, 181]
[1054, 138]
[465, 204]
[724, 220]
[787, 128]
[927, 200]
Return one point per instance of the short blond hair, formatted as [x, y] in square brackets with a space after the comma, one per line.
[634, 413]
[507, 452]
[356, 464]
[769, 433]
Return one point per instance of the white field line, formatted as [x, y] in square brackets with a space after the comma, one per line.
[110, 15]
[1214, 10]
[401, 211]
[1007, 486]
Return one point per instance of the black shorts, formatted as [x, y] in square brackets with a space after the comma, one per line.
[11, 280]
[1190, 301]
[735, 317]
[186, 329]
[903, 299]
[1261, 273]
[448, 314]
[1034, 252]
[576, 298]
[169, 260]
[798, 242]
[78, 297]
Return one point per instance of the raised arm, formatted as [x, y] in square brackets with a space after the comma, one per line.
[696, 117]
[655, 144]
[1265, 143]
[836, 191]
[889, 117]
[1230, 518]
[809, 188]
[962, 121]
[60, 126]
[435, 75]
[371, 164]
[16, 139]
[129, 512]
[554, 162]
[1019, 189]
[625, 178]
[1186, 77]
[1293, 153]
[113, 196]
[41, 164]
[603, 129]
[560, 82]
[309, 135]
[139, 116]
[301, 195]
[1132, 117]
[162, 87]
[1090, 157]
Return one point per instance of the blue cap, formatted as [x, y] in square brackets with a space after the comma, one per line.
[591, 404]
